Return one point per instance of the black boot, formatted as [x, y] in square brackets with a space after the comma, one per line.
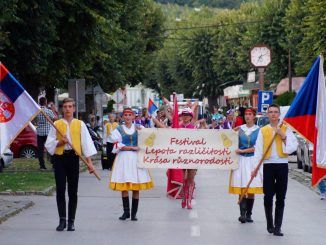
[278, 221]
[269, 218]
[250, 204]
[71, 225]
[62, 224]
[126, 209]
[242, 206]
[134, 209]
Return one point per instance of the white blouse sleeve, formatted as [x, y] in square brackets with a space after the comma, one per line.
[51, 141]
[291, 144]
[87, 143]
[258, 148]
[116, 138]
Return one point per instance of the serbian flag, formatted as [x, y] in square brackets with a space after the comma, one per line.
[151, 107]
[175, 176]
[307, 116]
[17, 108]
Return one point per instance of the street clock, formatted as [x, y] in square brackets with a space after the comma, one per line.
[260, 56]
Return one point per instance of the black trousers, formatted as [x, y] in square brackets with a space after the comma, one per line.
[66, 170]
[40, 149]
[110, 155]
[275, 183]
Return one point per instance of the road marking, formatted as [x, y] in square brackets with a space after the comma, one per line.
[195, 231]
[193, 214]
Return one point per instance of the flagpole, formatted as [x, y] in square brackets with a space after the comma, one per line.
[257, 168]
[83, 159]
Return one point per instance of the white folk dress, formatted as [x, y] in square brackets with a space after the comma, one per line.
[126, 175]
[240, 177]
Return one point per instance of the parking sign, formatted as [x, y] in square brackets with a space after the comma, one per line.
[265, 98]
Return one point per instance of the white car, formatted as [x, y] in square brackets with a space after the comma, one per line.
[6, 159]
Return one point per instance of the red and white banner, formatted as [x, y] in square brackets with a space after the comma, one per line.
[188, 149]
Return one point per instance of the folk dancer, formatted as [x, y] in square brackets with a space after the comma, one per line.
[66, 162]
[275, 170]
[240, 177]
[126, 175]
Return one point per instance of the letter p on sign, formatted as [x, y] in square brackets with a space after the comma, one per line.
[264, 98]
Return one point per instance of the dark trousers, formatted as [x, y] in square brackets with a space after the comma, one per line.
[110, 155]
[40, 149]
[66, 170]
[275, 183]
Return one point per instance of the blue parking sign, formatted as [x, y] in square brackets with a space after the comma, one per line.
[265, 98]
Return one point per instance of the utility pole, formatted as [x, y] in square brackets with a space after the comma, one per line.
[290, 71]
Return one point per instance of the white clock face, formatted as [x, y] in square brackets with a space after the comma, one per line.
[260, 56]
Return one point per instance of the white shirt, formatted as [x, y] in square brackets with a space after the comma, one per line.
[289, 147]
[87, 145]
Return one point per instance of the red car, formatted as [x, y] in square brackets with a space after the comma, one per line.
[25, 145]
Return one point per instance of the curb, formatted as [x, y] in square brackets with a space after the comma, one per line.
[15, 212]
[46, 192]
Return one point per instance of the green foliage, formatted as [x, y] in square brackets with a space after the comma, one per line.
[207, 49]
[44, 43]
[209, 3]
[285, 99]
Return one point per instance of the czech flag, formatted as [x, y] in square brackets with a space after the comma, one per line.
[307, 116]
[17, 108]
[151, 107]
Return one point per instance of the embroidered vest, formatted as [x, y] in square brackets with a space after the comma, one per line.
[128, 139]
[75, 134]
[110, 127]
[268, 134]
[247, 141]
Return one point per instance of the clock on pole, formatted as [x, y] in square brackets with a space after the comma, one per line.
[260, 57]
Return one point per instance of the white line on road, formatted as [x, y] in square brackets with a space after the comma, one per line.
[195, 231]
[193, 214]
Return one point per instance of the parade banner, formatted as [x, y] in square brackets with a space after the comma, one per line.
[187, 149]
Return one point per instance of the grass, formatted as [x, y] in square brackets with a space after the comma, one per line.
[24, 175]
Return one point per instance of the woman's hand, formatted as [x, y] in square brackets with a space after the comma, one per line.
[238, 151]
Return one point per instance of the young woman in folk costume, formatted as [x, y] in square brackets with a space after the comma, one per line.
[187, 117]
[240, 177]
[126, 176]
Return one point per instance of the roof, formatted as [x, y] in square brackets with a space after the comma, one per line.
[283, 85]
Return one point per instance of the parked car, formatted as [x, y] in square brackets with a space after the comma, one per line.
[304, 154]
[262, 120]
[25, 144]
[6, 159]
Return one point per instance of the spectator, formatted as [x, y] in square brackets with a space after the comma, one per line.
[322, 189]
[42, 130]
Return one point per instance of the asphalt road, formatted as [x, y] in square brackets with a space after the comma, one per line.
[213, 219]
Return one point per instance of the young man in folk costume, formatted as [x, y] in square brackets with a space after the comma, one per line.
[275, 170]
[66, 162]
[126, 175]
[240, 177]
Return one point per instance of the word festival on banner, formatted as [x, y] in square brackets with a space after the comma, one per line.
[188, 149]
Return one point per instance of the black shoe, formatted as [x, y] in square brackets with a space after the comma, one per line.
[277, 232]
[278, 221]
[62, 225]
[242, 206]
[250, 204]
[269, 219]
[43, 169]
[125, 215]
[126, 209]
[134, 209]
[71, 226]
